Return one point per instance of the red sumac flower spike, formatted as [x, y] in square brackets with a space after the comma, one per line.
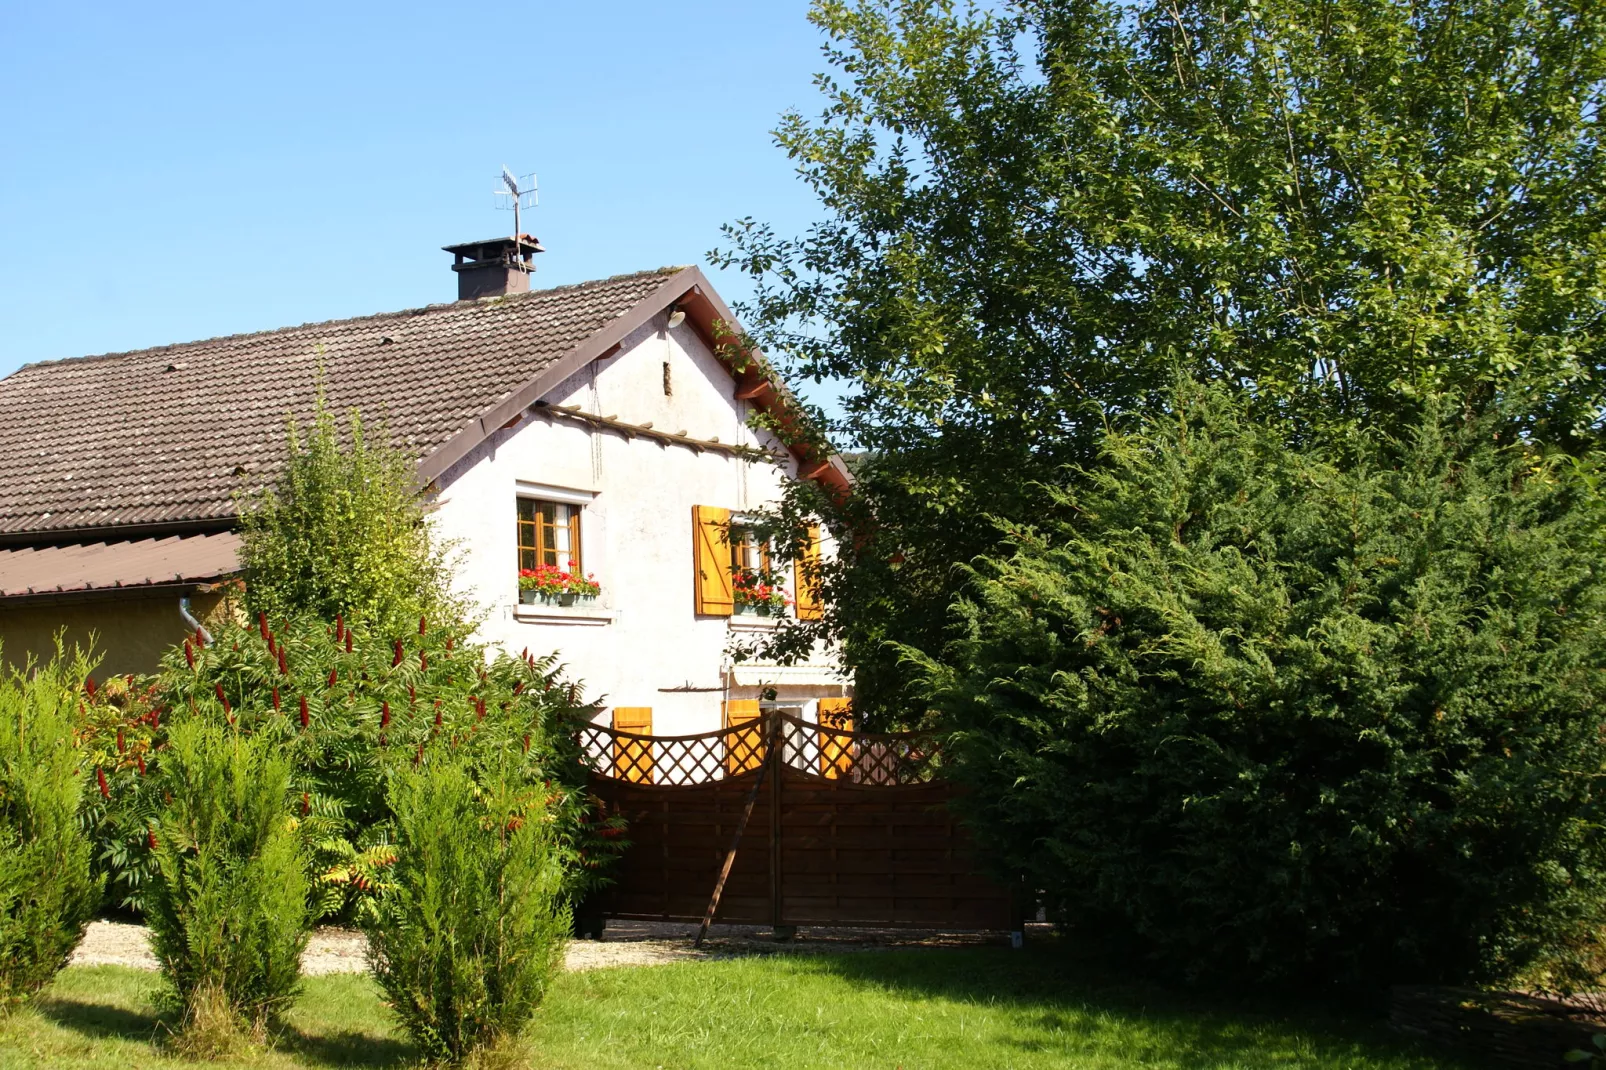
[423, 625]
[306, 804]
[423, 660]
[397, 660]
[120, 741]
[100, 779]
[273, 648]
[305, 718]
[284, 667]
[340, 626]
[526, 741]
[217, 689]
[412, 695]
[449, 642]
[140, 758]
[420, 755]
[524, 654]
[150, 837]
[189, 653]
[437, 717]
[384, 714]
[348, 641]
[518, 687]
[333, 675]
[276, 700]
[89, 686]
[262, 626]
[200, 638]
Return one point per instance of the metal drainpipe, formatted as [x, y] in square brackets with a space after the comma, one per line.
[189, 618]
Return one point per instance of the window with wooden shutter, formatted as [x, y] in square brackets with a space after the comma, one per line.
[744, 750]
[711, 558]
[632, 758]
[807, 573]
[836, 752]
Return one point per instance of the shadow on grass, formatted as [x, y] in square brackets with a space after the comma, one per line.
[1166, 1025]
[101, 1021]
[348, 1048]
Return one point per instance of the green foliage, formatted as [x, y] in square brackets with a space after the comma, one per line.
[472, 931]
[1266, 710]
[46, 891]
[343, 531]
[1032, 216]
[228, 906]
[371, 701]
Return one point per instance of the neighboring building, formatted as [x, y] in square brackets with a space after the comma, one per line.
[595, 422]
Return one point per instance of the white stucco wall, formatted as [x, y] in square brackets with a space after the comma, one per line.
[643, 637]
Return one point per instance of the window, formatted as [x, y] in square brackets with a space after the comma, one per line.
[750, 555]
[549, 534]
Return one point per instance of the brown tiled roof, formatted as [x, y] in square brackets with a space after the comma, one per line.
[160, 436]
[117, 565]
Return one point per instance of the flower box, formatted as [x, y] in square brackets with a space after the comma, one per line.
[758, 609]
[559, 598]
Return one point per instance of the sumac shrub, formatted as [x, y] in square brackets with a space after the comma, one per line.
[46, 891]
[1267, 710]
[472, 929]
[228, 906]
[343, 705]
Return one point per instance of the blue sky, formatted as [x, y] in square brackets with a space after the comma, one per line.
[171, 172]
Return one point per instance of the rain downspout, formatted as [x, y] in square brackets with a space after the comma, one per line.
[189, 618]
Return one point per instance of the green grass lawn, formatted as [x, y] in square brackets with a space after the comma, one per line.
[939, 1009]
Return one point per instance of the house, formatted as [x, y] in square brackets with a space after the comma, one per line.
[601, 424]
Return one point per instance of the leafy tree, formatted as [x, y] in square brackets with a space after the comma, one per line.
[1281, 712]
[342, 530]
[1033, 216]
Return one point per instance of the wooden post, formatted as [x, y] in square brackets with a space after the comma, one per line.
[778, 927]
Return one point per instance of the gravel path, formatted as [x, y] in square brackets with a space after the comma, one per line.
[624, 943]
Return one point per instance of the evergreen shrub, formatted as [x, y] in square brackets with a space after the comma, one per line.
[46, 890]
[1266, 709]
[228, 908]
[473, 927]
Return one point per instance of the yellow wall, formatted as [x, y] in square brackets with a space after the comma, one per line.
[130, 633]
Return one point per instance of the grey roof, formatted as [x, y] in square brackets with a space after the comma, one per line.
[167, 435]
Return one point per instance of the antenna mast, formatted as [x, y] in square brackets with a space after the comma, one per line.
[517, 194]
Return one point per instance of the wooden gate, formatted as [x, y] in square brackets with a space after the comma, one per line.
[844, 828]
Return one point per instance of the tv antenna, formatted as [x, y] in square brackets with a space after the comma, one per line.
[516, 194]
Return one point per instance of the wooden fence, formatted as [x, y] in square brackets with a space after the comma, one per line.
[842, 828]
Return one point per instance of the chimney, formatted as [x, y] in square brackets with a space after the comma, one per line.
[494, 267]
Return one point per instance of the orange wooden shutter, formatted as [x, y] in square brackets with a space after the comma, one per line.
[632, 758]
[711, 557]
[806, 569]
[744, 750]
[836, 752]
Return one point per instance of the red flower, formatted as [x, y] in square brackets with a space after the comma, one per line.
[412, 695]
[189, 653]
[89, 686]
[100, 778]
[422, 626]
[340, 627]
[348, 641]
[276, 700]
[284, 669]
[140, 758]
[200, 638]
[384, 714]
[397, 660]
[218, 689]
[305, 717]
[306, 804]
[333, 675]
[150, 837]
[423, 661]
[262, 626]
